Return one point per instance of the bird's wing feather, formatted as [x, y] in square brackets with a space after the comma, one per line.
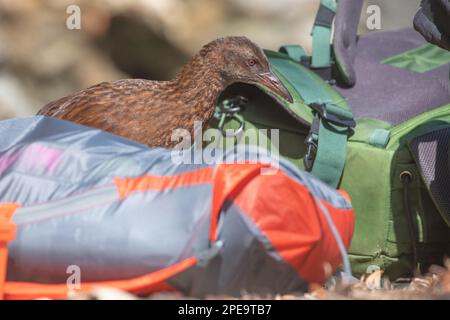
[117, 107]
[61, 108]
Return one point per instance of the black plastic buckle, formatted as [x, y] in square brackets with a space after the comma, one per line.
[323, 113]
[311, 150]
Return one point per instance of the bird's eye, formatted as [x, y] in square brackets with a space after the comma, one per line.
[251, 62]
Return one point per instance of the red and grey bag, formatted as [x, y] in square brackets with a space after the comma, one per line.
[123, 215]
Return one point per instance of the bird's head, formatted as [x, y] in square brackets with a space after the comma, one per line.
[240, 60]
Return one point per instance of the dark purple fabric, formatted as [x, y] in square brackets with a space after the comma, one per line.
[432, 22]
[348, 13]
[388, 93]
[431, 153]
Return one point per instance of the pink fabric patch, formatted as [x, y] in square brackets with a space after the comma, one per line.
[38, 155]
[33, 156]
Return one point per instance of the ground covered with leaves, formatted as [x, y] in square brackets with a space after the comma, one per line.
[435, 285]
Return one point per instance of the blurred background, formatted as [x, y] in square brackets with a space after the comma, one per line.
[41, 59]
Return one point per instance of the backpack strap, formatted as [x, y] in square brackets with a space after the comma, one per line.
[294, 51]
[327, 142]
[324, 110]
[321, 33]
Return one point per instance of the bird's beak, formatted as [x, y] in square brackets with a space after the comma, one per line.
[271, 81]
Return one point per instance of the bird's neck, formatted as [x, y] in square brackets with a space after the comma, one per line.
[199, 85]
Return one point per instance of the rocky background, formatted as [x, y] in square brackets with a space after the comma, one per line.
[41, 59]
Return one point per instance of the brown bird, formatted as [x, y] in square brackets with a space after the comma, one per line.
[149, 111]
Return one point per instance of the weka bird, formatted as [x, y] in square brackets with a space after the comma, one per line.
[148, 111]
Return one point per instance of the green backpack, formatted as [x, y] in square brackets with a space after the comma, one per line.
[371, 116]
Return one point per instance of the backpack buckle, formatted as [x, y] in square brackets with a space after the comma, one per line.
[311, 150]
[329, 113]
[334, 114]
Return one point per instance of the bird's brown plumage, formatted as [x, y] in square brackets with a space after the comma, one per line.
[149, 111]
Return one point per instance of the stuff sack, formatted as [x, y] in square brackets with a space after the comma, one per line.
[371, 116]
[79, 204]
